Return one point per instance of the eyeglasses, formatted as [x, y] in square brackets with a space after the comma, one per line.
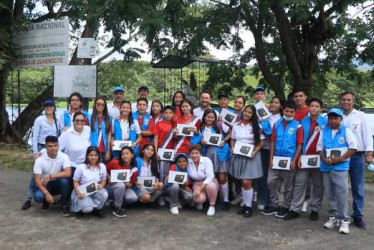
[79, 120]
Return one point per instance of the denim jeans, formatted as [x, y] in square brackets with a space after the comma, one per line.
[57, 187]
[357, 175]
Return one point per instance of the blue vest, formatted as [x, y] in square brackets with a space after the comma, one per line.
[117, 135]
[67, 120]
[339, 141]
[95, 134]
[266, 127]
[146, 120]
[219, 109]
[286, 138]
[305, 123]
[223, 153]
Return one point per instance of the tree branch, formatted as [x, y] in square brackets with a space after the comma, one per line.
[52, 15]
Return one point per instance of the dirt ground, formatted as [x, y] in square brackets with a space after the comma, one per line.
[146, 228]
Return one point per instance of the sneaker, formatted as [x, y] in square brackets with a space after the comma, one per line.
[254, 196]
[65, 211]
[282, 212]
[45, 205]
[331, 223]
[211, 211]
[247, 212]
[305, 207]
[199, 206]
[26, 205]
[225, 206]
[99, 213]
[313, 216]
[242, 204]
[359, 223]
[174, 210]
[161, 201]
[270, 211]
[236, 200]
[119, 212]
[344, 227]
[260, 207]
[291, 215]
[180, 206]
[241, 211]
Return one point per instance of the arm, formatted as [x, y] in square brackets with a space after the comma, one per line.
[272, 150]
[368, 141]
[258, 148]
[232, 144]
[35, 135]
[297, 156]
[155, 142]
[43, 189]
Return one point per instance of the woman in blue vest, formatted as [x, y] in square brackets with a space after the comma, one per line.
[75, 105]
[125, 128]
[220, 154]
[100, 128]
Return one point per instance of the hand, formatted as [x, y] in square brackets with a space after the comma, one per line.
[194, 129]
[45, 180]
[108, 155]
[327, 160]
[336, 160]
[198, 193]
[254, 154]
[37, 155]
[203, 141]
[133, 145]
[81, 196]
[369, 158]
[158, 157]
[175, 131]
[221, 144]
[139, 185]
[99, 187]
[49, 198]
[293, 164]
[66, 128]
[299, 163]
[271, 164]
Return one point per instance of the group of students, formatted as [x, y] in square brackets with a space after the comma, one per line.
[77, 148]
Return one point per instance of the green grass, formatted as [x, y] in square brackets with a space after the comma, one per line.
[369, 176]
[16, 157]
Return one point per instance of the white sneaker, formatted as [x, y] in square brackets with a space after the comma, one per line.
[174, 210]
[344, 227]
[242, 204]
[211, 211]
[199, 206]
[305, 207]
[331, 223]
[236, 200]
[260, 207]
[161, 201]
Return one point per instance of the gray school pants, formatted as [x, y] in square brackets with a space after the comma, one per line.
[301, 182]
[336, 190]
[179, 195]
[275, 179]
[120, 194]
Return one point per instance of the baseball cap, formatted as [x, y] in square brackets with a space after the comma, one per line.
[335, 111]
[145, 87]
[49, 102]
[181, 155]
[118, 88]
[223, 94]
[258, 88]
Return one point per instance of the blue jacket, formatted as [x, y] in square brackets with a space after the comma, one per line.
[339, 141]
[286, 138]
[67, 120]
[117, 135]
[95, 134]
[223, 153]
[305, 123]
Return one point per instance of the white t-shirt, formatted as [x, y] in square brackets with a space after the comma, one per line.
[146, 170]
[125, 128]
[75, 144]
[85, 174]
[244, 133]
[199, 112]
[134, 108]
[348, 135]
[45, 165]
[113, 111]
[204, 172]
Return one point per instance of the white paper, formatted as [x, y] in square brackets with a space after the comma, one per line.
[147, 182]
[118, 145]
[245, 149]
[213, 139]
[120, 175]
[310, 161]
[177, 177]
[166, 154]
[183, 130]
[86, 48]
[281, 163]
[262, 110]
[334, 153]
[228, 116]
[88, 188]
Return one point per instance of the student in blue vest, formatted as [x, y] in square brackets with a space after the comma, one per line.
[312, 125]
[335, 167]
[75, 105]
[286, 141]
[126, 129]
[143, 119]
[219, 155]
[100, 128]
[223, 102]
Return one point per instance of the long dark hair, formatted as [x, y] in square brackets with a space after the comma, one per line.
[105, 115]
[183, 97]
[91, 149]
[162, 106]
[154, 161]
[203, 123]
[131, 120]
[77, 94]
[281, 101]
[189, 103]
[133, 161]
[255, 123]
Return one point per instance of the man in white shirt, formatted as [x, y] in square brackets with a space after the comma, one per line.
[118, 97]
[356, 121]
[51, 175]
[143, 92]
[205, 99]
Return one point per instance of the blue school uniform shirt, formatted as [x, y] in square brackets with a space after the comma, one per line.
[95, 134]
[321, 122]
[117, 135]
[286, 138]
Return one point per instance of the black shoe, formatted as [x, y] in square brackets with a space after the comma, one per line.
[291, 215]
[45, 205]
[65, 211]
[99, 213]
[241, 211]
[282, 212]
[225, 206]
[26, 205]
[359, 223]
[119, 212]
[313, 216]
[247, 212]
[270, 211]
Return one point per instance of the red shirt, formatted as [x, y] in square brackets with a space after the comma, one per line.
[101, 143]
[152, 124]
[114, 165]
[299, 134]
[174, 168]
[185, 147]
[301, 113]
[162, 131]
[312, 150]
[177, 112]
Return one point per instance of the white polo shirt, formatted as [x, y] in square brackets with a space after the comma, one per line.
[45, 165]
[348, 135]
[125, 128]
[204, 172]
[113, 110]
[357, 122]
[244, 133]
[134, 108]
[199, 112]
[75, 144]
[85, 174]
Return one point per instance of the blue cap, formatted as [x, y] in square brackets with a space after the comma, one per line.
[335, 111]
[258, 88]
[181, 155]
[118, 88]
[49, 102]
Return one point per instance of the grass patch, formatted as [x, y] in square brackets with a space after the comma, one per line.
[369, 176]
[16, 157]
